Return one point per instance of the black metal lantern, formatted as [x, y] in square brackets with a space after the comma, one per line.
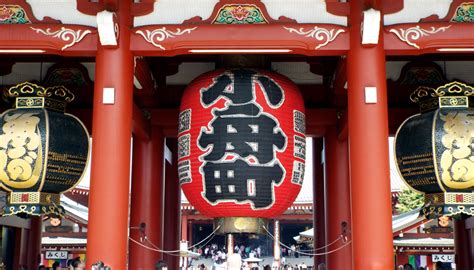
[43, 151]
[434, 149]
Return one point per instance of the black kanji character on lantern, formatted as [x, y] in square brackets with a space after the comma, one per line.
[243, 136]
[241, 182]
[243, 130]
[240, 88]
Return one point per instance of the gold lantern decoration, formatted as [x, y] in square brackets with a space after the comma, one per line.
[434, 149]
[43, 150]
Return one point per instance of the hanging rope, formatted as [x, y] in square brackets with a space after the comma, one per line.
[308, 254]
[326, 246]
[212, 234]
[150, 248]
[170, 252]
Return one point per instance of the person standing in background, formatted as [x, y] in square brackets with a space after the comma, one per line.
[161, 265]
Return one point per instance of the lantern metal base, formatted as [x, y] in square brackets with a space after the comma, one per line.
[240, 225]
[27, 204]
[454, 204]
[28, 210]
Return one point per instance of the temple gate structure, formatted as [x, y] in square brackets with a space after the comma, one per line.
[128, 62]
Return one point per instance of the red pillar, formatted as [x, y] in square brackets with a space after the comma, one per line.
[19, 248]
[338, 207]
[184, 228]
[319, 212]
[429, 262]
[107, 237]
[34, 243]
[190, 232]
[402, 259]
[146, 199]
[368, 148]
[461, 245]
[172, 207]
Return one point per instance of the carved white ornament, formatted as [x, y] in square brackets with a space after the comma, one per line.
[321, 34]
[412, 34]
[158, 35]
[65, 34]
[108, 28]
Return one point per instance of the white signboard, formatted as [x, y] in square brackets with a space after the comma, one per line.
[56, 255]
[443, 258]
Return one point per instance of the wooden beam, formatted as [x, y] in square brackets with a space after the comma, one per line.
[48, 38]
[68, 235]
[422, 38]
[296, 218]
[424, 235]
[146, 40]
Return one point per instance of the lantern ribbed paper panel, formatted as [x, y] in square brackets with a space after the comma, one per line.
[241, 145]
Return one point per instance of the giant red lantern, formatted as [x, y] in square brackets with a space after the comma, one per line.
[241, 145]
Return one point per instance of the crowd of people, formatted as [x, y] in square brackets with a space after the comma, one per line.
[215, 252]
[439, 266]
[73, 264]
[248, 257]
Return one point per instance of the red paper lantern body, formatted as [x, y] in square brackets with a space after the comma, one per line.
[241, 145]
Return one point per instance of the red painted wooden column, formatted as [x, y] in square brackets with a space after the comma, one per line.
[338, 205]
[147, 199]
[33, 252]
[461, 245]
[107, 237]
[319, 212]
[184, 228]
[402, 259]
[172, 207]
[190, 232]
[18, 245]
[368, 147]
[429, 262]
